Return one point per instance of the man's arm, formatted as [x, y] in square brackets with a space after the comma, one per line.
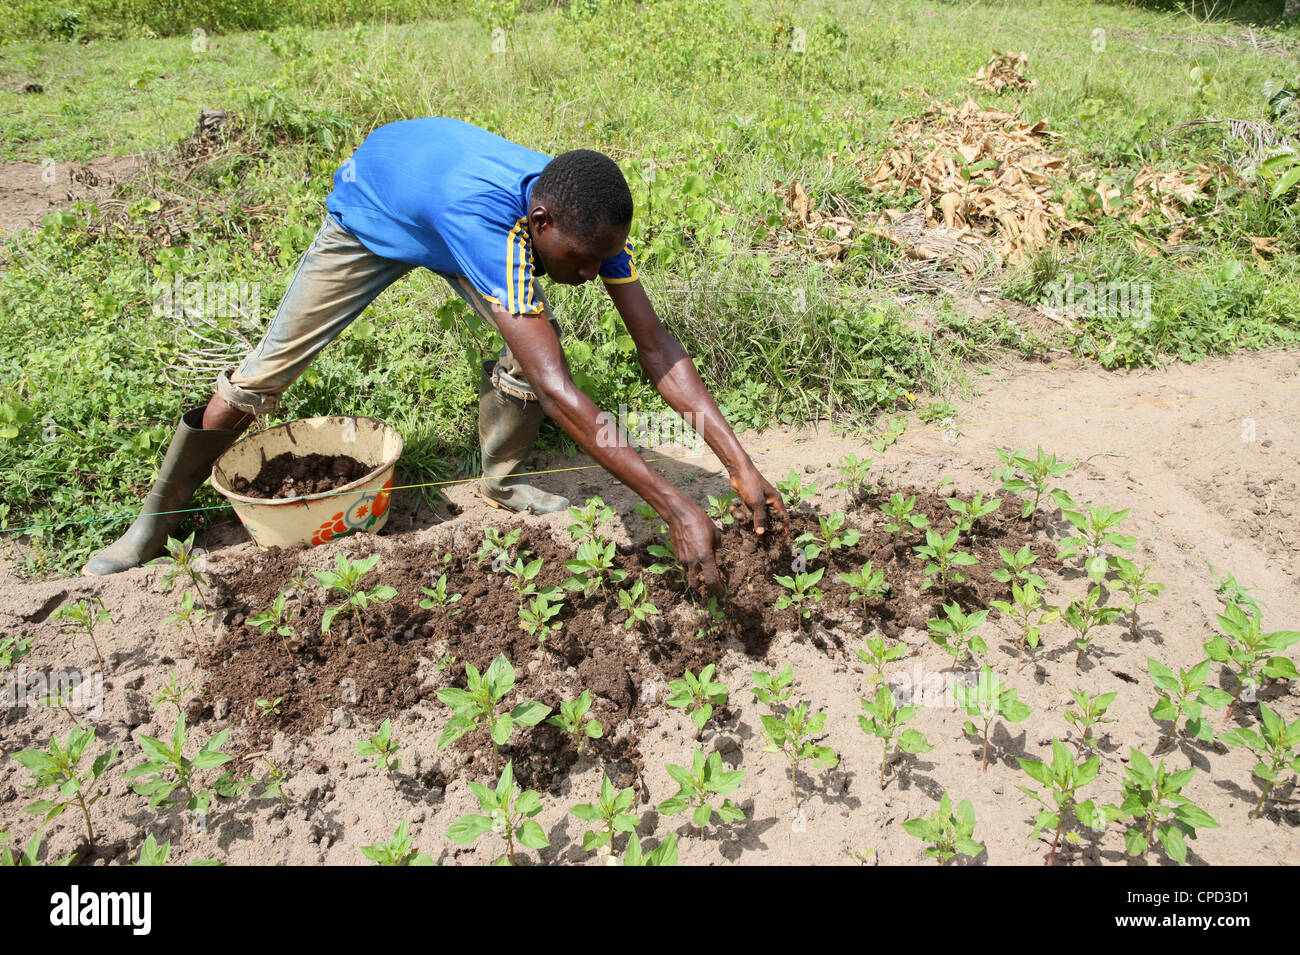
[673, 373]
[533, 342]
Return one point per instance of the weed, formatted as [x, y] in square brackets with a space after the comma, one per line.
[571, 719]
[704, 780]
[1154, 796]
[698, 696]
[989, 701]
[58, 765]
[899, 510]
[884, 719]
[1091, 712]
[946, 832]
[1250, 654]
[1275, 748]
[477, 706]
[1184, 694]
[957, 634]
[611, 809]
[1023, 473]
[83, 616]
[509, 815]
[396, 851]
[1063, 779]
[346, 578]
[941, 552]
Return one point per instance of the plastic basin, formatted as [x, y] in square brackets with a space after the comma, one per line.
[313, 518]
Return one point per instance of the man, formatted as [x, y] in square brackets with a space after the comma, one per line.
[490, 217]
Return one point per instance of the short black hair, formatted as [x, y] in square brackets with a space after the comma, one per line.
[586, 193]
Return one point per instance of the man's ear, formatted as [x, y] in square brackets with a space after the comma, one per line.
[540, 219]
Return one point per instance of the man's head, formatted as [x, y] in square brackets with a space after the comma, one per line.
[580, 215]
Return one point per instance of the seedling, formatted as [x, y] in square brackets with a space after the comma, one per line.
[186, 617]
[719, 508]
[182, 559]
[611, 810]
[801, 593]
[1231, 592]
[793, 491]
[1091, 712]
[273, 782]
[1024, 473]
[654, 525]
[704, 780]
[592, 568]
[476, 706]
[167, 769]
[1135, 585]
[445, 661]
[84, 617]
[1083, 616]
[587, 519]
[941, 552]
[665, 854]
[877, 655]
[1063, 779]
[855, 476]
[269, 707]
[346, 579]
[829, 537]
[438, 600]
[298, 584]
[383, 747]
[172, 693]
[945, 832]
[698, 696]
[884, 719]
[969, 513]
[59, 765]
[867, 584]
[899, 510]
[509, 815]
[1097, 536]
[275, 618]
[792, 734]
[397, 851]
[1016, 566]
[989, 701]
[29, 856]
[775, 691]
[1154, 796]
[957, 634]
[153, 854]
[571, 719]
[713, 617]
[1250, 654]
[13, 649]
[535, 616]
[667, 566]
[637, 605]
[522, 575]
[496, 546]
[1025, 604]
[1275, 748]
[1184, 695]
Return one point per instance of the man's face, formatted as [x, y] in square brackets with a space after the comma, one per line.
[570, 259]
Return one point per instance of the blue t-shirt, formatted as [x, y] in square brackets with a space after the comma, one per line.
[451, 197]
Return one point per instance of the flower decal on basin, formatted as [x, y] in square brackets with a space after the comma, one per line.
[362, 515]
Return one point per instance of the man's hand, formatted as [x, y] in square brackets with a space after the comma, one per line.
[759, 494]
[695, 539]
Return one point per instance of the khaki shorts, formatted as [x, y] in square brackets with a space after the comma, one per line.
[335, 281]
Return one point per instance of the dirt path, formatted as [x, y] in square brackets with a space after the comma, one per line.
[30, 190]
[1204, 455]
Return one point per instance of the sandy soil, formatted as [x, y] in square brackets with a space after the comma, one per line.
[30, 190]
[1204, 455]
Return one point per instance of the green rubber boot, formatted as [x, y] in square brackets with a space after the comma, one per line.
[507, 431]
[187, 465]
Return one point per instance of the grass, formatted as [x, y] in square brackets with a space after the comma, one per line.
[711, 94]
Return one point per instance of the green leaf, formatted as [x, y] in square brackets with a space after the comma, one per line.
[468, 828]
[531, 835]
